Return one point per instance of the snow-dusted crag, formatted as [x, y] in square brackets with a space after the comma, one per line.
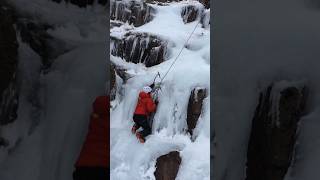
[138, 54]
[53, 57]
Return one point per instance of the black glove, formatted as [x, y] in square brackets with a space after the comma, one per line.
[152, 86]
[156, 102]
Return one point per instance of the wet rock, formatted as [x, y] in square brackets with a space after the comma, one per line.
[8, 65]
[133, 12]
[140, 48]
[195, 107]
[190, 13]
[273, 132]
[167, 166]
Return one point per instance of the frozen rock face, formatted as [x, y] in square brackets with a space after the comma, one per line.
[36, 35]
[83, 3]
[112, 82]
[206, 3]
[205, 18]
[273, 131]
[141, 48]
[133, 12]
[8, 65]
[195, 107]
[190, 13]
[168, 166]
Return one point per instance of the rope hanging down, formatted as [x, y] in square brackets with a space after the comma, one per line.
[179, 53]
[156, 89]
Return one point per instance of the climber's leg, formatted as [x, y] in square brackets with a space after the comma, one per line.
[146, 128]
[136, 126]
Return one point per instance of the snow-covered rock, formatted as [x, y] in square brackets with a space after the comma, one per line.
[191, 13]
[141, 48]
[134, 12]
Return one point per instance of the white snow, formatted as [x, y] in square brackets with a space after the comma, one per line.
[135, 161]
[65, 93]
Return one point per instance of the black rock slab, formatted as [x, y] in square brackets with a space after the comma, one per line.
[273, 133]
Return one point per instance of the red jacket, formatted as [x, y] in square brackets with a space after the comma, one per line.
[95, 151]
[145, 104]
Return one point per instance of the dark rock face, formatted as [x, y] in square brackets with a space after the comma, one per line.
[168, 166]
[133, 12]
[40, 41]
[190, 13]
[206, 3]
[195, 107]
[8, 65]
[273, 131]
[112, 82]
[141, 48]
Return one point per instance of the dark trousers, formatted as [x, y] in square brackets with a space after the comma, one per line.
[142, 121]
[91, 173]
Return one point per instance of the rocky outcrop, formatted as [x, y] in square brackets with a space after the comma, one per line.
[8, 65]
[273, 132]
[205, 19]
[45, 45]
[140, 48]
[190, 13]
[133, 12]
[167, 166]
[195, 107]
[206, 3]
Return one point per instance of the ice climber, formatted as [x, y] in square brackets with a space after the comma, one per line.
[93, 161]
[144, 108]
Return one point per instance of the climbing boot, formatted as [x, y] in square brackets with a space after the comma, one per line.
[133, 129]
[140, 137]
